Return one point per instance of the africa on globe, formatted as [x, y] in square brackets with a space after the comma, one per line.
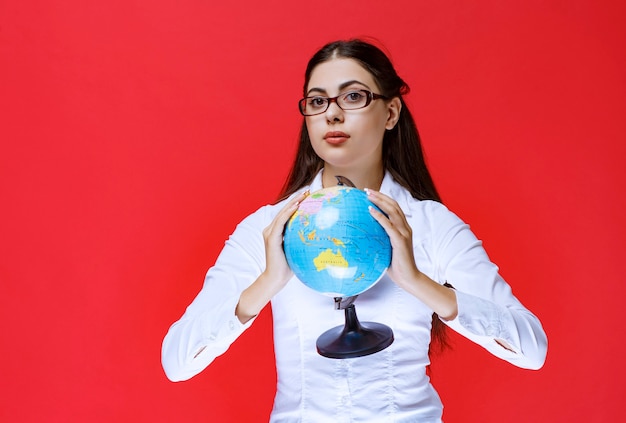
[334, 245]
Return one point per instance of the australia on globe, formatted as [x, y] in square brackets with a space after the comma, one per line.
[334, 245]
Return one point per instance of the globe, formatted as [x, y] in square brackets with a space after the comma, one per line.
[334, 245]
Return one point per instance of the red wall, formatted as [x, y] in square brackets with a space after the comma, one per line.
[136, 134]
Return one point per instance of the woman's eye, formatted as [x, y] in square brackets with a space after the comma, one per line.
[317, 102]
[353, 97]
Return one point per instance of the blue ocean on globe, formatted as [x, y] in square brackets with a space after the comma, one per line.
[334, 245]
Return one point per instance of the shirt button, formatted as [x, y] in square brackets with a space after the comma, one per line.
[231, 325]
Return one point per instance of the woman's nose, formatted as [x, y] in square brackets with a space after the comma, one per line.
[334, 113]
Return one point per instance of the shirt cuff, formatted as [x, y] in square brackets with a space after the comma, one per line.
[482, 320]
[226, 326]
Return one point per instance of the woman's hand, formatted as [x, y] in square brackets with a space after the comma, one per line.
[403, 270]
[276, 267]
[277, 272]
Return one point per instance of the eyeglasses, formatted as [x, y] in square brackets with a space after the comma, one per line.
[351, 100]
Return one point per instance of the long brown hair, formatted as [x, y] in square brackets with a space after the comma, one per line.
[403, 157]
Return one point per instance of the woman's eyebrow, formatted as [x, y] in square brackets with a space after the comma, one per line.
[342, 86]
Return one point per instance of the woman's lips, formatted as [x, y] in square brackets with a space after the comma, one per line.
[336, 137]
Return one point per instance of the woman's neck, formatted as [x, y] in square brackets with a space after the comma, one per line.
[370, 178]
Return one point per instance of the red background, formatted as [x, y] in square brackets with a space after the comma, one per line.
[136, 134]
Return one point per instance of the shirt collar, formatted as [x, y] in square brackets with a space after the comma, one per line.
[389, 187]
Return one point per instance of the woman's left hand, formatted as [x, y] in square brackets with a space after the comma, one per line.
[403, 268]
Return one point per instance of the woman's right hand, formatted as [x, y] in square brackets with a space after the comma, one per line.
[276, 267]
[277, 272]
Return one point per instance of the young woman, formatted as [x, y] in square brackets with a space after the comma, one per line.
[357, 125]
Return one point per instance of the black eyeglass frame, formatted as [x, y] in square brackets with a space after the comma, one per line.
[370, 97]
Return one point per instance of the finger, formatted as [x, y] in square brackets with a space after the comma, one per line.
[277, 226]
[392, 209]
[384, 202]
[290, 207]
[395, 235]
[382, 219]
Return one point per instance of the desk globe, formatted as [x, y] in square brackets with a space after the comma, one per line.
[334, 246]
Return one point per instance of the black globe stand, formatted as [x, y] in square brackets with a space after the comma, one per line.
[354, 339]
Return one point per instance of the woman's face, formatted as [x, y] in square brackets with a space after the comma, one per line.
[351, 140]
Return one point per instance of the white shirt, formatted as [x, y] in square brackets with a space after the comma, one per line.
[389, 386]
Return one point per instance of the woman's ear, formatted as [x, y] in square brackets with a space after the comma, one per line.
[394, 106]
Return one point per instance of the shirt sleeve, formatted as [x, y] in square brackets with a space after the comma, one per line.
[488, 312]
[209, 325]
